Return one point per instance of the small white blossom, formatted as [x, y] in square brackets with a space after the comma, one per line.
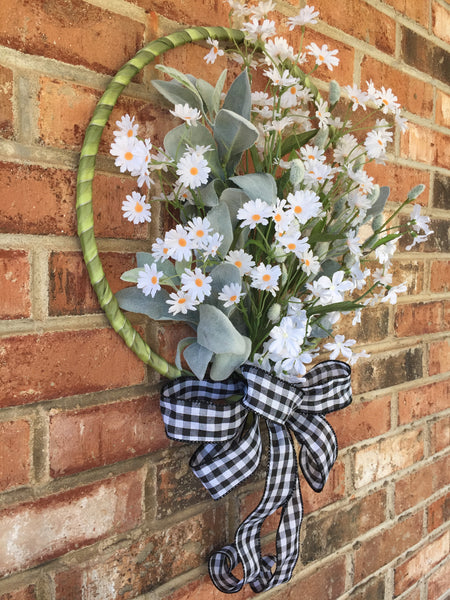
[196, 284]
[231, 294]
[148, 280]
[135, 208]
[323, 56]
[254, 212]
[214, 52]
[187, 113]
[306, 16]
[340, 346]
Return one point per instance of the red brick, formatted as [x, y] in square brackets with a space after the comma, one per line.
[6, 103]
[418, 11]
[439, 357]
[411, 272]
[76, 33]
[386, 370]
[361, 421]
[156, 557]
[101, 435]
[440, 434]
[442, 141]
[333, 490]
[423, 54]
[189, 13]
[401, 180]
[387, 456]
[39, 531]
[387, 545]
[419, 143]
[421, 484]
[361, 21]
[421, 563]
[438, 582]
[372, 590]
[51, 365]
[440, 276]
[15, 300]
[418, 319]
[189, 59]
[442, 108]
[71, 292]
[423, 401]
[204, 589]
[374, 325]
[441, 22]
[66, 108]
[168, 337]
[439, 512]
[25, 593]
[324, 534]
[414, 95]
[14, 454]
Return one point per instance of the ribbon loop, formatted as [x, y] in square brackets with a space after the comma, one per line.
[201, 411]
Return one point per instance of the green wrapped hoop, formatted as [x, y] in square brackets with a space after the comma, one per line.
[85, 213]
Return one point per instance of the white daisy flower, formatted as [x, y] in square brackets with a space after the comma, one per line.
[323, 114]
[304, 205]
[262, 9]
[196, 284]
[310, 264]
[254, 30]
[265, 277]
[295, 244]
[178, 243]
[340, 346]
[240, 259]
[198, 230]
[318, 173]
[312, 153]
[210, 246]
[345, 146]
[127, 127]
[284, 80]
[180, 302]
[254, 212]
[231, 294]
[148, 280]
[214, 52]
[279, 125]
[306, 16]
[282, 216]
[130, 153]
[389, 102]
[279, 49]
[286, 339]
[193, 169]
[160, 250]
[323, 56]
[375, 143]
[135, 209]
[357, 97]
[187, 113]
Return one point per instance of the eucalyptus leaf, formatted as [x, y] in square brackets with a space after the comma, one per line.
[219, 217]
[234, 199]
[131, 275]
[182, 345]
[224, 364]
[222, 274]
[415, 191]
[257, 185]
[330, 267]
[156, 308]
[177, 141]
[335, 92]
[218, 90]
[197, 357]
[176, 93]
[208, 193]
[233, 134]
[206, 91]
[165, 266]
[216, 332]
[188, 81]
[378, 207]
[239, 96]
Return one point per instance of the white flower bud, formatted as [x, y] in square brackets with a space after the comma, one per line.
[274, 312]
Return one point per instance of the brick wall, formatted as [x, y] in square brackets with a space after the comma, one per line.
[95, 503]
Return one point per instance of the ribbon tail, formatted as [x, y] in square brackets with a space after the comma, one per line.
[282, 490]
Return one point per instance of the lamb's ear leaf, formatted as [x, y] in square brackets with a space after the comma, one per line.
[239, 96]
[217, 333]
[224, 364]
[198, 358]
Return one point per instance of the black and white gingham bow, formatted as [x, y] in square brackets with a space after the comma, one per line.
[201, 411]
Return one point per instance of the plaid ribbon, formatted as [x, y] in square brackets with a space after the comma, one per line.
[201, 411]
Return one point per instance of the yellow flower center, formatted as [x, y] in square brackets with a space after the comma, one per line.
[256, 217]
[130, 133]
[291, 246]
[307, 262]
[298, 210]
[277, 218]
[266, 277]
[238, 264]
[200, 233]
[321, 57]
[199, 282]
[182, 242]
[293, 90]
[233, 298]
[194, 171]
[154, 280]
[128, 155]
[181, 300]
[138, 207]
[215, 50]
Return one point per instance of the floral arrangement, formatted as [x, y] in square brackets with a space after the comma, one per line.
[278, 231]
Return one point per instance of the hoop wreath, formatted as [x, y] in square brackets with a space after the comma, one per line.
[86, 171]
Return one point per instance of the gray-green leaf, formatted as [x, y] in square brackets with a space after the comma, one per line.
[216, 332]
